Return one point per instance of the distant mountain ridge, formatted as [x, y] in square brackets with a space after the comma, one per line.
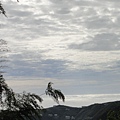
[103, 111]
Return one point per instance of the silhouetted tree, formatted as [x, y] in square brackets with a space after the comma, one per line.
[22, 106]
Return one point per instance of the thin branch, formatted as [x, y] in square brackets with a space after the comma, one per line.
[2, 10]
[42, 94]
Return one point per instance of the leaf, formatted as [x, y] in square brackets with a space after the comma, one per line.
[60, 95]
[56, 94]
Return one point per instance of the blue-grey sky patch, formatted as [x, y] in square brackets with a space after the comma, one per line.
[101, 42]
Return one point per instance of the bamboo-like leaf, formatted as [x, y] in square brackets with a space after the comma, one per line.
[56, 94]
[37, 97]
[60, 95]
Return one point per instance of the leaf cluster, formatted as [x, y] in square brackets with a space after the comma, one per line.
[56, 94]
[25, 105]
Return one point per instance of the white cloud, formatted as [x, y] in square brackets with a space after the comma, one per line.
[83, 100]
[101, 42]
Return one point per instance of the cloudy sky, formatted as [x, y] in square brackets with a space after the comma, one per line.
[73, 43]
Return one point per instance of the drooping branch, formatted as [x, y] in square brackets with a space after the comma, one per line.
[56, 94]
[24, 105]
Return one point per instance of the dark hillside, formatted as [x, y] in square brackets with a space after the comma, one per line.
[110, 110]
[104, 111]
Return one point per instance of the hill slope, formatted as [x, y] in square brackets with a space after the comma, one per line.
[102, 111]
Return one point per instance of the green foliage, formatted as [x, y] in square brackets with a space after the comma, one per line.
[113, 115]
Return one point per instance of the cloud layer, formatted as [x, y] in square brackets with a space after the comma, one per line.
[75, 40]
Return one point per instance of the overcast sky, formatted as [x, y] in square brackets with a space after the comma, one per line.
[73, 43]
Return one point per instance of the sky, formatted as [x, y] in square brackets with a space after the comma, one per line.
[73, 43]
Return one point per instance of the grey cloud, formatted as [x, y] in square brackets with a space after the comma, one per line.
[62, 3]
[60, 22]
[20, 13]
[111, 1]
[31, 24]
[116, 67]
[14, 9]
[61, 7]
[22, 19]
[24, 64]
[98, 23]
[74, 3]
[29, 64]
[63, 11]
[65, 7]
[101, 42]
